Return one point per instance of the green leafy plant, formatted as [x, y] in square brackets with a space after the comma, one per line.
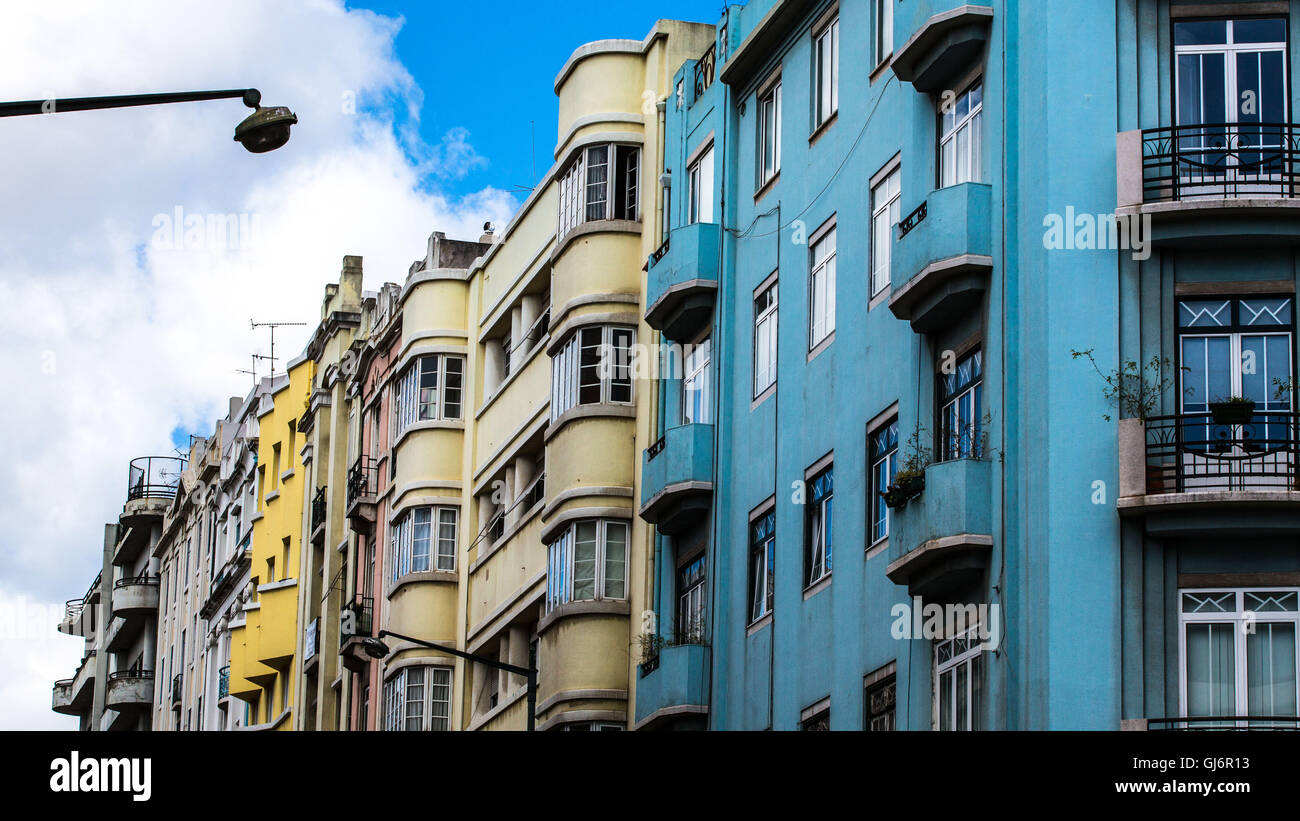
[1135, 388]
[651, 644]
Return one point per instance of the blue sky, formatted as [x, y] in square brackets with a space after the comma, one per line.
[489, 68]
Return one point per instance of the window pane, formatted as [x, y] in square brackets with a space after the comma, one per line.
[615, 560]
[1211, 670]
[584, 562]
[597, 182]
[1271, 670]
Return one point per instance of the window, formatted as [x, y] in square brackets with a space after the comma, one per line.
[821, 288]
[826, 73]
[762, 565]
[701, 188]
[962, 401]
[588, 561]
[696, 391]
[422, 396]
[958, 699]
[884, 30]
[886, 197]
[417, 547]
[594, 367]
[817, 535]
[1238, 650]
[879, 707]
[765, 339]
[603, 183]
[884, 466]
[961, 137]
[769, 134]
[690, 601]
[418, 698]
[816, 718]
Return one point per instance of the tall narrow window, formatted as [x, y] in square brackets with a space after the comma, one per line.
[960, 423]
[696, 390]
[765, 339]
[884, 30]
[769, 134]
[884, 466]
[818, 533]
[690, 601]
[880, 700]
[961, 138]
[821, 288]
[886, 197]
[701, 185]
[762, 565]
[826, 72]
[958, 682]
[597, 192]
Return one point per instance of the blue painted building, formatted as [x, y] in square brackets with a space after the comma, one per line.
[889, 224]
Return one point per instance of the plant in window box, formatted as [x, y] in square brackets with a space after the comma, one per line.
[909, 482]
[1235, 410]
[651, 644]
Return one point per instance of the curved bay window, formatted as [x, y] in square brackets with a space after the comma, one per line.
[418, 698]
[594, 367]
[601, 184]
[586, 562]
[430, 388]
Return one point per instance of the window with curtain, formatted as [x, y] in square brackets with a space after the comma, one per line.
[587, 562]
[430, 388]
[602, 183]
[762, 565]
[884, 466]
[418, 698]
[1239, 655]
[593, 367]
[696, 390]
[422, 539]
[690, 601]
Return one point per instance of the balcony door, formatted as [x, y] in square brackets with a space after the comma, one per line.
[1236, 348]
[1230, 82]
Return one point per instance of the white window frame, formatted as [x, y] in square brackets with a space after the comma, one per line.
[411, 405]
[1238, 620]
[756, 580]
[959, 165]
[768, 108]
[889, 462]
[821, 288]
[575, 187]
[700, 181]
[560, 557]
[401, 710]
[826, 63]
[818, 551]
[970, 659]
[697, 384]
[883, 30]
[615, 369]
[765, 355]
[439, 552]
[886, 200]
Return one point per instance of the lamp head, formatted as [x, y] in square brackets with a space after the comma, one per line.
[375, 648]
[267, 128]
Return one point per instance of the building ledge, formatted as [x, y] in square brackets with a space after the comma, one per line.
[945, 43]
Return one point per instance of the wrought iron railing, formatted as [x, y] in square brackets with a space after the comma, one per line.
[705, 69]
[1193, 452]
[133, 581]
[362, 609]
[122, 675]
[660, 252]
[1219, 160]
[907, 223]
[1225, 723]
[154, 476]
[656, 447]
[363, 478]
[72, 609]
[223, 682]
[318, 509]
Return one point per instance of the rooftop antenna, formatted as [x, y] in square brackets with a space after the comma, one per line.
[532, 159]
[253, 372]
[272, 326]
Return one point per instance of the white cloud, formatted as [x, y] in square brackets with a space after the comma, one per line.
[113, 339]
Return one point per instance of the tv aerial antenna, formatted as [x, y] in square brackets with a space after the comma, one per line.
[272, 325]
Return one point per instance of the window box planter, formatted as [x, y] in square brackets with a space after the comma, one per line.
[906, 487]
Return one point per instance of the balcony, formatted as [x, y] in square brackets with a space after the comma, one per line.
[135, 596]
[319, 509]
[1189, 475]
[363, 488]
[73, 696]
[941, 540]
[1201, 723]
[944, 37]
[61, 698]
[223, 682]
[1214, 183]
[682, 281]
[677, 478]
[943, 257]
[151, 485]
[177, 690]
[129, 690]
[674, 684]
[228, 577]
[356, 623]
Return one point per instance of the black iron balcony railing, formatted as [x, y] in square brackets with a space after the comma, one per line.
[1220, 161]
[363, 478]
[122, 675]
[1225, 723]
[1193, 452]
[176, 688]
[660, 252]
[318, 509]
[132, 581]
[704, 71]
[72, 609]
[223, 682]
[154, 477]
[362, 609]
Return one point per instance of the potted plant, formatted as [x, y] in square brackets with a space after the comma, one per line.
[909, 481]
[1235, 410]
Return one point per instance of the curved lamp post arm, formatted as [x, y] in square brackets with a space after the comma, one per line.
[251, 97]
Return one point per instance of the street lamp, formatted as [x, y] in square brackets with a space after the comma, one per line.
[377, 649]
[266, 129]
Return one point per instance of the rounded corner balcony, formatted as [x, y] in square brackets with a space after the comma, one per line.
[682, 280]
[129, 690]
[943, 257]
[1211, 184]
[151, 486]
[677, 478]
[61, 698]
[135, 596]
[1192, 475]
[945, 38]
[672, 687]
[941, 540]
